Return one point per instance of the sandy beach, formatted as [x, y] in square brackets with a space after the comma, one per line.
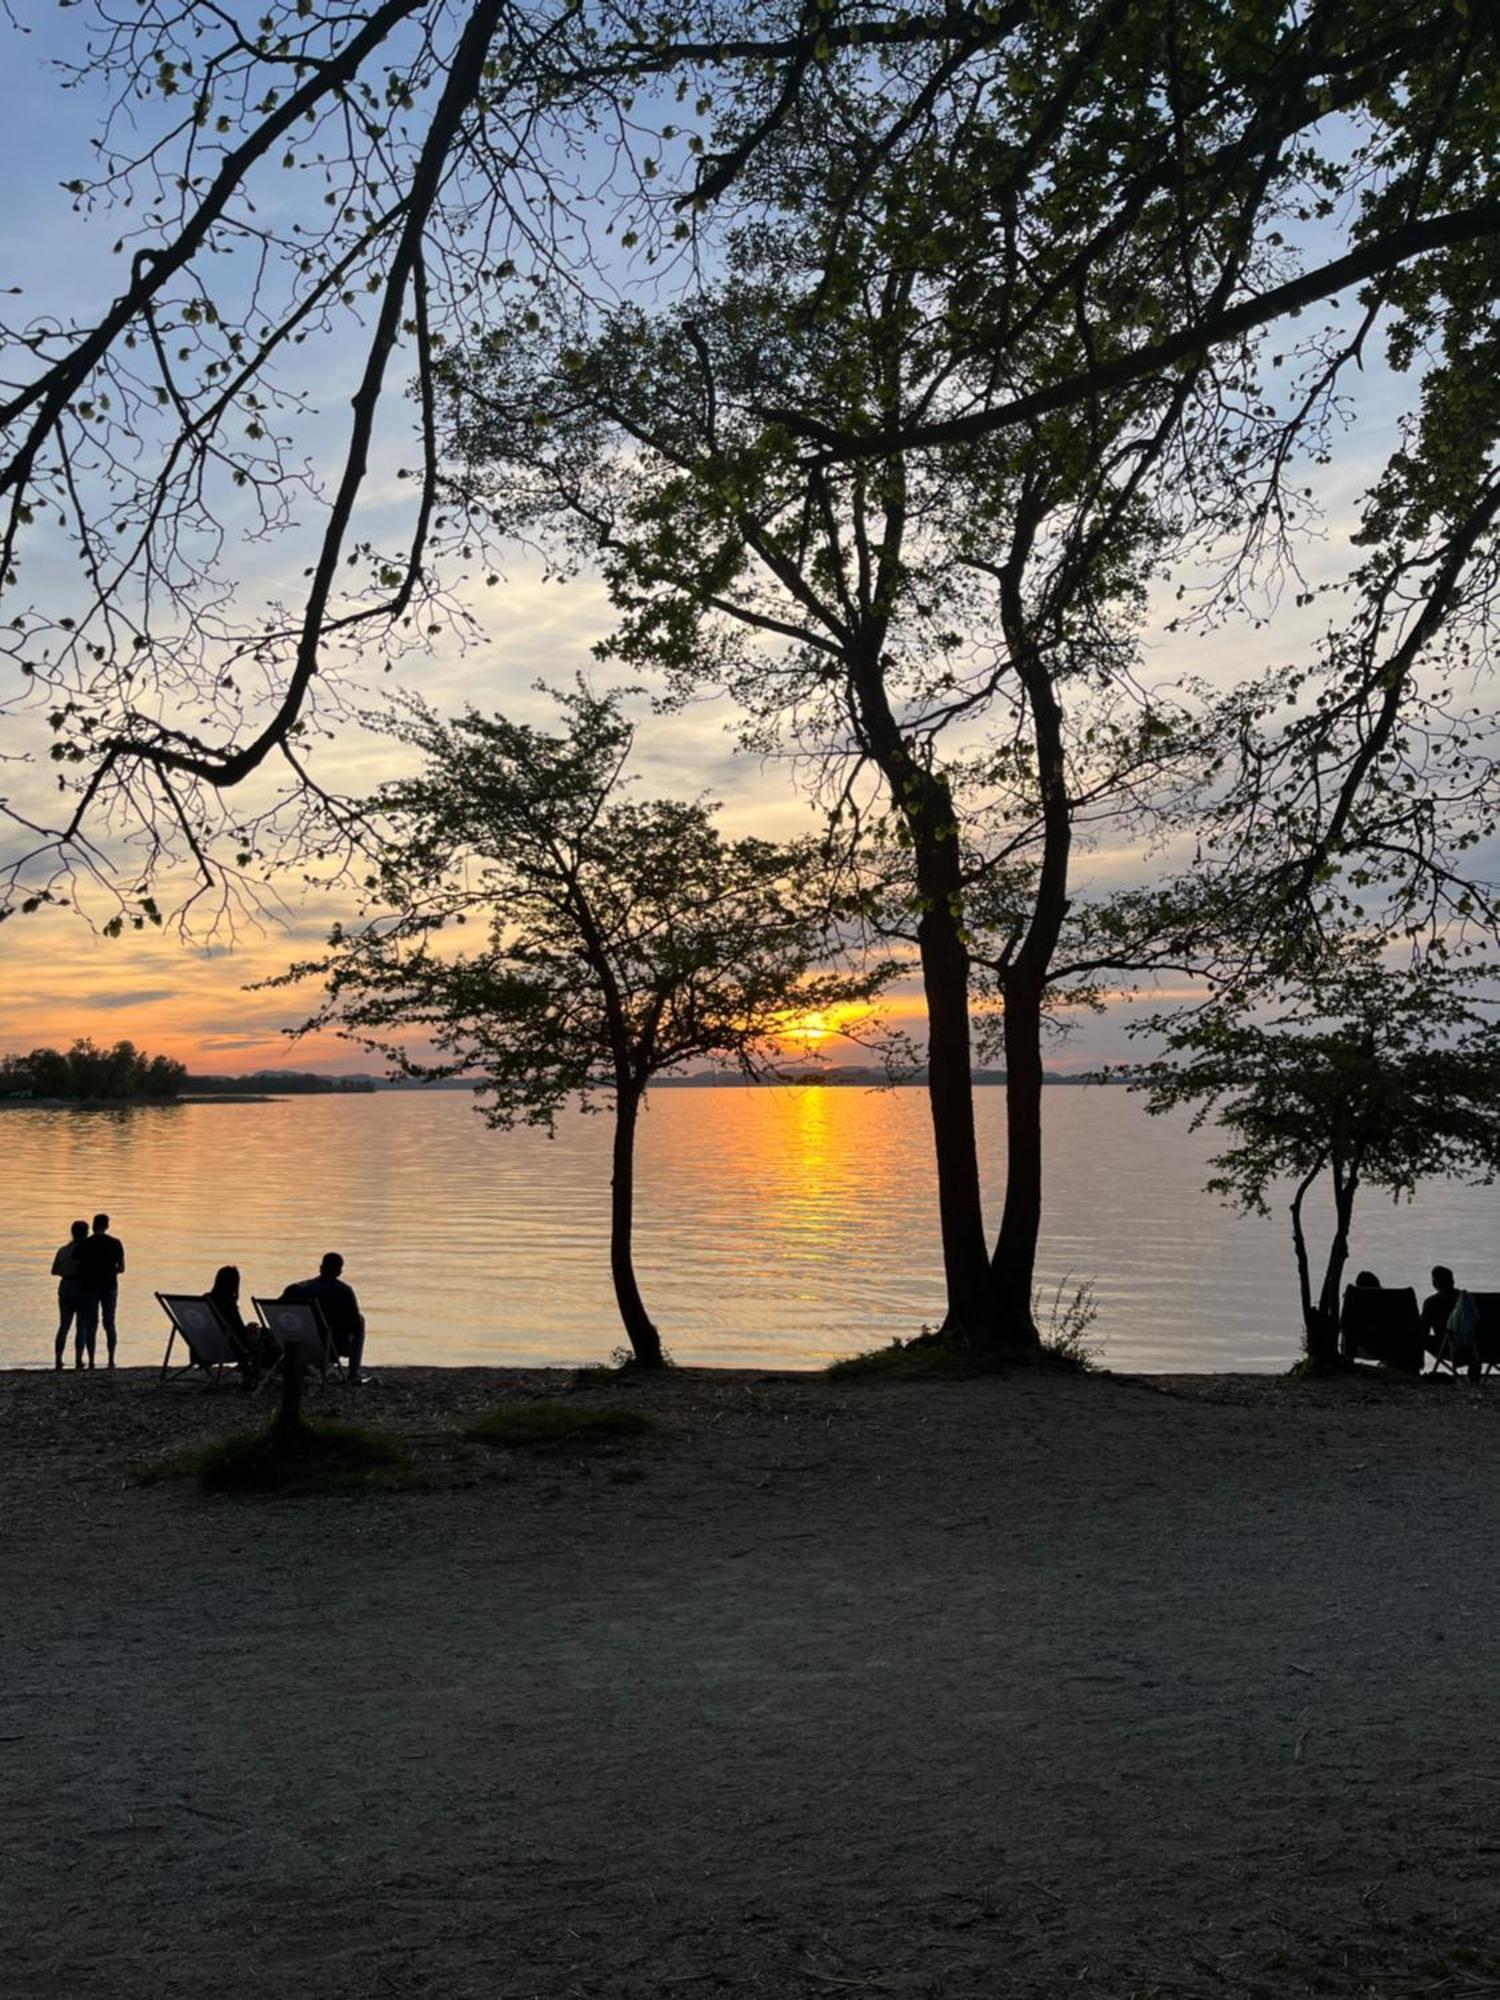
[1035, 1686]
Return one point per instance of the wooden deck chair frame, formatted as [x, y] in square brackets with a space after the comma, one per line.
[1486, 1340]
[300, 1321]
[197, 1321]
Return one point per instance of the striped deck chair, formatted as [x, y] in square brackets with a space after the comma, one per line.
[195, 1320]
[300, 1323]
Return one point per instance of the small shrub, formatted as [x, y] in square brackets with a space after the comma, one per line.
[539, 1425]
[317, 1458]
[1065, 1343]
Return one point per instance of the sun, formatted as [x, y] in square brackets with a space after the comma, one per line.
[806, 1034]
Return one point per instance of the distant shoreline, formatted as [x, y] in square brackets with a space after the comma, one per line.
[142, 1103]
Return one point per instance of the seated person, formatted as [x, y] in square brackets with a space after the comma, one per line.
[346, 1323]
[1437, 1308]
[247, 1341]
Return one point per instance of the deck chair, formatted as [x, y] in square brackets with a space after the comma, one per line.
[196, 1321]
[300, 1323]
[1485, 1355]
[1383, 1323]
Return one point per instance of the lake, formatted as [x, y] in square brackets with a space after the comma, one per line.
[778, 1227]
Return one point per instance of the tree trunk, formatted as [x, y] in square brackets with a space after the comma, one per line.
[645, 1341]
[1021, 1218]
[925, 803]
[1329, 1298]
[1317, 1336]
[950, 1095]
[1024, 982]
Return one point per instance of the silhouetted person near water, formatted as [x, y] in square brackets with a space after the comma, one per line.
[245, 1339]
[66, 1268]
[346, 1323]
[101, 1259]
[1437, 1309]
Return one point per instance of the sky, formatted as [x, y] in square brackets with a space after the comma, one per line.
[187, 996]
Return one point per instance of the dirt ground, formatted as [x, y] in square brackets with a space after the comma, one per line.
[1024, 1687]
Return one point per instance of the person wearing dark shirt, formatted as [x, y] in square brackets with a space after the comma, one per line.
[66, 1268]
[246, 1340]
[101, 1259]
[346, 1323]
[1437, 1308]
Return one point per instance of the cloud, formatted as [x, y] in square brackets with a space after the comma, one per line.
[131, 996]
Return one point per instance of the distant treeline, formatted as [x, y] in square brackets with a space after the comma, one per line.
[278, 1083]
[120, 1075]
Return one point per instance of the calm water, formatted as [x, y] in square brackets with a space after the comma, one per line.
[778, 1227]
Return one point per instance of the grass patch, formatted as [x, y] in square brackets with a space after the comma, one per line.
[321, 1458]
[539, 1426]
[621, 1362]
[926, 1356]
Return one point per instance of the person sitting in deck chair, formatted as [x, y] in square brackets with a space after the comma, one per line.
[1437, 1310]
[247, 1340]
[346, 1323]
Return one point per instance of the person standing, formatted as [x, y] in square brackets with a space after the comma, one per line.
[101, 1260]
[67, 1268]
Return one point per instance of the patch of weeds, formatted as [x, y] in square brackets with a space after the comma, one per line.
[1065, 1344]
[544, 1425]
[318, 1458]
[622, 1361]
[935, 1355]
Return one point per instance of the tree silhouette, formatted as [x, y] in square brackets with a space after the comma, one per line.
[620, 937]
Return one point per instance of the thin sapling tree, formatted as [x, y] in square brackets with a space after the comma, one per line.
[618, 937]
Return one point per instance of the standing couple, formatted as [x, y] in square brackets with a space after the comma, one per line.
[87, 1269]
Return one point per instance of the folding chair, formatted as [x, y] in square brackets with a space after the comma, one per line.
[1484, 1358]
[1384, 1323]
[300, 1323]
[203, 1333]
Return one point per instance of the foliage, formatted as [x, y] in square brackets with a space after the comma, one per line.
[618, 937]
[1114, 191]
[122, 1074]
[1368, 1075]
[539, 1425]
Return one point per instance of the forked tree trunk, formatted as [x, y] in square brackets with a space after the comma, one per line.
[925, 804]
[645, 1341]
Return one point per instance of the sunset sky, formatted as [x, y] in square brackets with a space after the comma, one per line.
[186, 996]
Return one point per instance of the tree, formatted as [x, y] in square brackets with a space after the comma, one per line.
[622, 938]
[157, 441]
[1367, 1076]
[957, 622]
[121, 1074]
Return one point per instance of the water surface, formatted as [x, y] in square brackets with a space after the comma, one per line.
[778, 1227]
